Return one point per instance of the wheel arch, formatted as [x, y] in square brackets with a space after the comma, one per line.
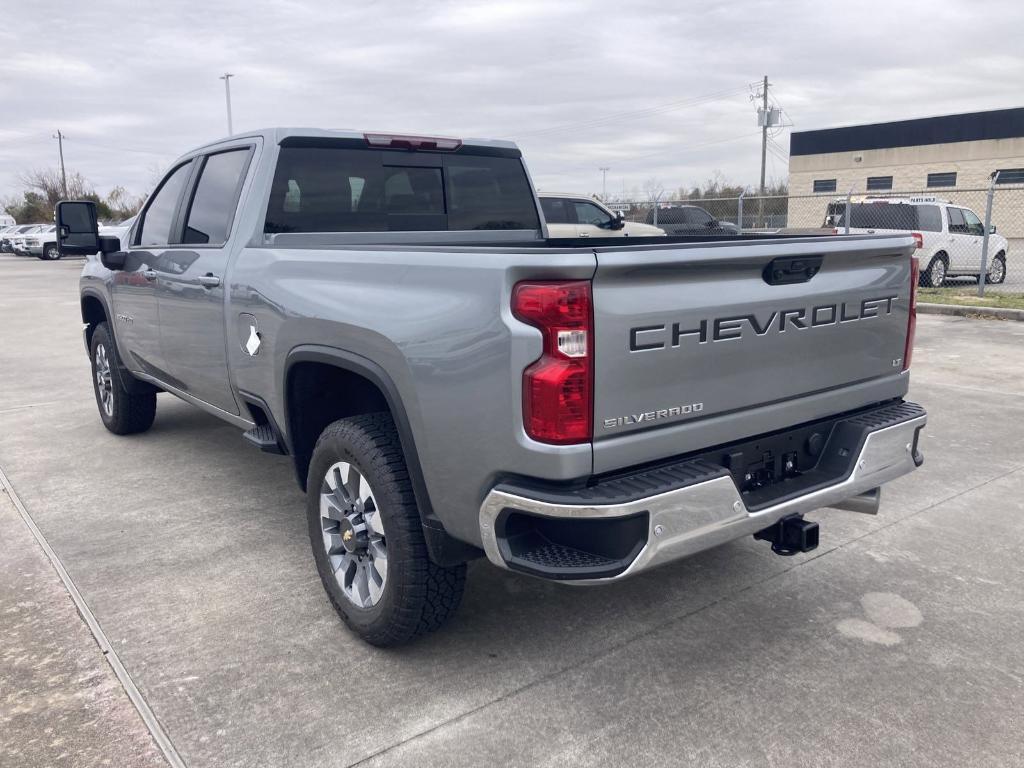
[94, 312]
[316, 375]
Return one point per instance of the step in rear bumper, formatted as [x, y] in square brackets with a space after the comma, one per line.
[708, 509]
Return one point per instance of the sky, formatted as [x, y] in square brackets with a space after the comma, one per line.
[660, 93]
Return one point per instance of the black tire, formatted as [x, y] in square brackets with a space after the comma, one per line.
[417, 596]
[50, 252]
[1000, 273]
[128, 412]
[932, 274]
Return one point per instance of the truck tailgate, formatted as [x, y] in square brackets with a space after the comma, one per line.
[702, 344]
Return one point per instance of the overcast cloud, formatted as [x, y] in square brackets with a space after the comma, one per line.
[133, 85]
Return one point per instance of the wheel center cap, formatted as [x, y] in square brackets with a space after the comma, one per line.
[352, 537]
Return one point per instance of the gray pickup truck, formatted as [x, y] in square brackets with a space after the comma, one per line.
[388, 312]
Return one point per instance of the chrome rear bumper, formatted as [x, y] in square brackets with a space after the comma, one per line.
[710, 512]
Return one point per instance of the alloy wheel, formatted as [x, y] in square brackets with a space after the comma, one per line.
[104, 380]
[353, 534]
[997, 271]
[938, 273]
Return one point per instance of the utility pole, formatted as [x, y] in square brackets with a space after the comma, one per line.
[604, 184]
[764, 130]
[63, 174]
[226, 77]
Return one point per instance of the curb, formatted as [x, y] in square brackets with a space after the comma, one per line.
[967, 311]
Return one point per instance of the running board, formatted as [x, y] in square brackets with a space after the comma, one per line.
[263, 437]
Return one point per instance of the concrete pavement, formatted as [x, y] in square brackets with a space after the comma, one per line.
[896, 642]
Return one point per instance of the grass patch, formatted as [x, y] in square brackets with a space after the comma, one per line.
[968, 296]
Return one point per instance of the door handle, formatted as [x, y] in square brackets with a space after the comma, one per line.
[209, 280]
[149, 274]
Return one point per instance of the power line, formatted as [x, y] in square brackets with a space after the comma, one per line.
[667, 151]
[633, 114]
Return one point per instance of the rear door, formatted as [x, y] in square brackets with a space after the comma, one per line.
[698, 345]
[133, 289]
[190, 283]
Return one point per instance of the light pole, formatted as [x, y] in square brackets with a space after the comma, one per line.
[226, 77]
[604, 183]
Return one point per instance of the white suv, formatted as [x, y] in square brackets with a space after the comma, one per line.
[584, 216]
[948, 236]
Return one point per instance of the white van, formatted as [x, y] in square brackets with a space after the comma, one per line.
[949, 236]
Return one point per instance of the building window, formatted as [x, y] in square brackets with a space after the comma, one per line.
[876, 183]
[1010, 176]
[824, 185]
[942, 179]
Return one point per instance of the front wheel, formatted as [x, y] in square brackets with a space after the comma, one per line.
[50, 252]
[123, 412]
[997, 272]
[367, 536]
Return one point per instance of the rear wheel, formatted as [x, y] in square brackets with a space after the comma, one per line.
[935, 275]
[367, 536]
[51, 252]
[997, 271]
[123, 412]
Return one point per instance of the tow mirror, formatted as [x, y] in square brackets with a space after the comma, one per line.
[77, 230]
[992, 229]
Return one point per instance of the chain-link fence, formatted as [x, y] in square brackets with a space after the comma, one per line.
[958, 230]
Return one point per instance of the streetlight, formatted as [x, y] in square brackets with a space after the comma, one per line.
[226, 77]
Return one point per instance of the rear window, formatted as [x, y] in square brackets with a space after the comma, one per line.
[338, 189]
[896, 216]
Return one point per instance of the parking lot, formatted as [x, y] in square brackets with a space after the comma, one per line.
[897, 642]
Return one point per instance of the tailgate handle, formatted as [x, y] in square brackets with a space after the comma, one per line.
[791, 269]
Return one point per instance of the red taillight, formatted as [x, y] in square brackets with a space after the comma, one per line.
[558, 387]
[412, 142]
[918, 239]
[915, 273]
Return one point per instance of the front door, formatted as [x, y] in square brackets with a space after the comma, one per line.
[191, 280]
[136, 321]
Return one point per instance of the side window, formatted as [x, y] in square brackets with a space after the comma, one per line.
[213, 204]
[698, 217]
[555, 210]
[588, 213]
[956, 220]
[159, 215]
[929, 218]
[974, 225]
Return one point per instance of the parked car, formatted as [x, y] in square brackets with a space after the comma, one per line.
[120, 230]
[450, 383]
[690, 220]
[11, 234]
[948, 236]
[41, 242]
[585, 216]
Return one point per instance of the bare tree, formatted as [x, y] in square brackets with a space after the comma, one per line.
[48, 184]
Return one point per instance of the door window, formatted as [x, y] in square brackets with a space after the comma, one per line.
[957, 224]
[216, 195]
[556, 210]
[588, 213]
[974, 225]
[698, 217]
[159, 215]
